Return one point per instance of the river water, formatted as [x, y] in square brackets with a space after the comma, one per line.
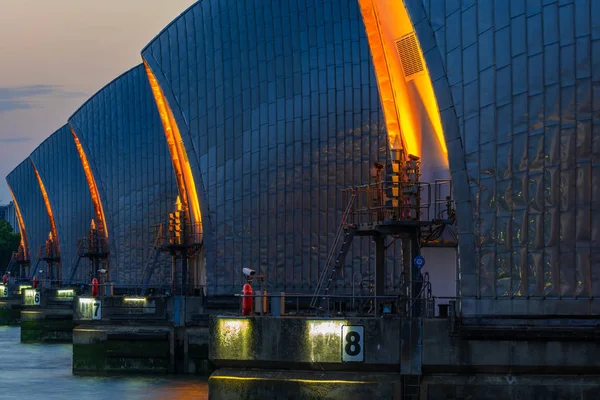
[35, 371]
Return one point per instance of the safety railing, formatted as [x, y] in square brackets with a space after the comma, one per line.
[48, 252]
[128, 289]
[299, 305]
[168, 235]
[401, 201]
[93, 247]
[20, 257]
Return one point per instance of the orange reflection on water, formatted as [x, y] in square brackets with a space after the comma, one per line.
[184, 390]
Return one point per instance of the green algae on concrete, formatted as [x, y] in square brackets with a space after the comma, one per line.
[112, 357]
[56, 330]
[10, 312]
[108, 349]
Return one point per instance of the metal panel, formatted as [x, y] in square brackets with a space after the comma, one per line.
[121, 134]
[534, 210]
[60, 169]
[278, 107]
[26, 191]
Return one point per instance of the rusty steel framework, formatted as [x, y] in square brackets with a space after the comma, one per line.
[183, 240]
[19, 258]
[94, 247]
[50, 254]
[400, 207]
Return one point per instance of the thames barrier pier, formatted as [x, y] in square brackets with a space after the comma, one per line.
[158, 335]
[329, 199]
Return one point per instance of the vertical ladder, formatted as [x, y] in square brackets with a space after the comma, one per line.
[334, 262]
[74, 269]
[10, 263]
[411, 388]
[34, 270]
[154, 255]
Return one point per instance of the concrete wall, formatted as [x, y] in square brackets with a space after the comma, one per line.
[302, 343]
[229, 384]
[447, 353]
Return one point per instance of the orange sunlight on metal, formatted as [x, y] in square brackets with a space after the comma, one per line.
[89, 176]
[53, 231]
[386, 92]
[24, 241]
[383, 20]
[183, 171]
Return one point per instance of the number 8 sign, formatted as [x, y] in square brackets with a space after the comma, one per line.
[353, 343]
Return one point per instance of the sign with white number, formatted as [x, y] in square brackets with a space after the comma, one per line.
[353, 343]
[97, 310]
[89, 309]
[31, 297]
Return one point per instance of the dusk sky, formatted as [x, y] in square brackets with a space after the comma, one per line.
[55, 54]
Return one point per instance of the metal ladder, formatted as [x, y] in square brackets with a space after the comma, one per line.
[153, 259]
[334, 262]
[76, 266]
[10, 263]
[34, 269]
[411, 387]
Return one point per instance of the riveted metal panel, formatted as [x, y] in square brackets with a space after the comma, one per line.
[278, 107]
[60, 169]
[534, 210]
[26, 190]
[121, 133]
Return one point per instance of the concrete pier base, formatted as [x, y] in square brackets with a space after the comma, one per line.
[111, 349]
[47, 326]
[234, 384]
[102, 350]
[47, 316]
[10, 311]
[492, 387]
[154, 335]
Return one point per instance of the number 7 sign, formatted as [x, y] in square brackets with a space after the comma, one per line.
[353, 343]
[96, 310]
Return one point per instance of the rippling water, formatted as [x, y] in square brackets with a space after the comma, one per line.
[44, 372]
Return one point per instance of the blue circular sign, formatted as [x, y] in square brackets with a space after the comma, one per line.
[419, 261]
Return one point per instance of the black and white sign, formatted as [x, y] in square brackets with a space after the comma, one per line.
[97, 310]
[3, 291]
[36, 299]
[353, 343]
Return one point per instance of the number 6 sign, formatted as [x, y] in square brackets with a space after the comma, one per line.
[353, 343]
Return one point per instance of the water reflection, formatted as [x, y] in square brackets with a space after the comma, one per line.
[45, 371]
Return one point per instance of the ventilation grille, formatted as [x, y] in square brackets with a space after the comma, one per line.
[408, 50]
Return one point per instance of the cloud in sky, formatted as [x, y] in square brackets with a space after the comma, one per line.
[15, 140]
[24, 97]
